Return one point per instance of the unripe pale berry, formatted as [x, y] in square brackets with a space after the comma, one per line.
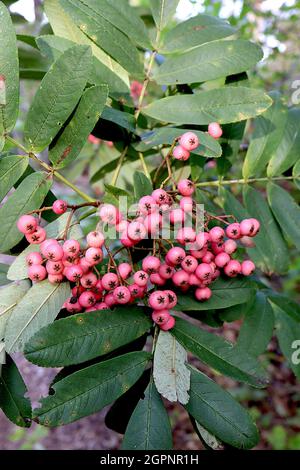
[147, 205]
[59, 206]
[203, 293]
[248, 267]
[233, 231]
[222, 259]
[88, 280]
[27, 224]
[172, 297]
[165, 271]
[204, 271]
[160, 196]
[121, 295]
[230, 247]
[34, 258]
[189, 264]
[161, 317]
[87, 299]
[169, 325]
[189, 141]
[110, 281]
[180, 153]
[54, 267]
[216, 234]
[158, 300]
[124, 270]
[233, 268]
[215, 130]
[73, 273]
[37, 272]
[95, 239]
[186, 187]
[141, 278]
[151, 264]
[181, 278]
[94, 255]
[37, 237]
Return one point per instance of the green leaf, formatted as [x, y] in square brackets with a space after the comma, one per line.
[257, 328]
[288, 305]
[38, 308]
[268, 131]
[286, 211]
[3, 274]
[288, 334]
[19, 269]
[105, 69]
[80, 338]
[9, 73]
[296, 173]
[271, 244]
[171, 376]
[121, 118]
[9, 297]
[12, 390]
[114, 194]
[219, 354]
[195, 31]
[209, 439]
[91, 389]
[28, 196]
[223, 105]
[149, 426]
[71, 141]
[104, 34]
[208, 147]
[219, 413]
[163, 11]
[57, 97]
[142, 185]
[225, 293]
[208, 62]
[287, 152]
[11, 169]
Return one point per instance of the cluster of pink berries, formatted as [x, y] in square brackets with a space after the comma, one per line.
[189, 141]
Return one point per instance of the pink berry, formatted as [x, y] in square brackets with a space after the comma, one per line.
[186, 187]
[202, 240]
[151, 264]
[88, 280]
[208, 257]
[161, 317]
[189, 141]
[54, 267]
[94, 255]
[54, 252]
[256, 227]
[215, 130]
[87, 299]
[217, 248]
[126, 241]
[27, 224]
[74, 273]
[136, 291]
[37, 237]
[181, 278]
[172, 297]
[73, 306]
[189, 264]
[165, 271]
[147, 205]
[177, 216]
[157, 280]
[124, 270]
[77, 290]
[109, 214]
[37, 272]
[222, 259]
[186, 204]
[95, 239]
[204, 271]
[141, 278]
[110, 300]
[180, 153]
[34, 258]
[160, 196]
[216, 234]
[46, 243]
[198, 254]
[122, 226]
[121, 295]
[233, 231]
[186, 235]
[55, 278]
[59, 206]
[203, 293]
[233, 268]
[83, 263]
[230, 247]
[136, 231]
[71, 247]
[176, 255]
[169, 325]
[153, 222]
[248, 267]
[110, 281]
[194, 280]
[91, 309]
[102, 306]
[158, 300]
[98, 287]
[247, 241]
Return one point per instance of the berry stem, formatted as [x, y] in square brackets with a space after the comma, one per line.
[246, 181]
[119, 166]
[145, 169]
